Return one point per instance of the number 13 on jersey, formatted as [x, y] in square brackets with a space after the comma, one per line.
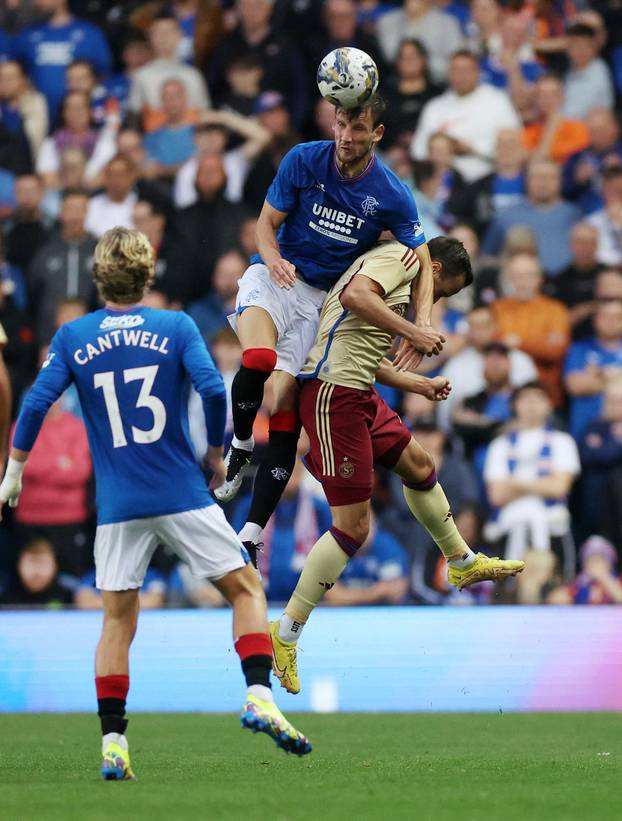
[145, 399]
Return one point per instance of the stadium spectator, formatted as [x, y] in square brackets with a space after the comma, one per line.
[47, 48]
[144, 100]
[426, 184]
[208, 228]
[18, 354]
[377, 574]
[588, 82]
[591, 363]
[537, 324]
[185, 590]
[550, 134]
[601, 458]
[406, 91]
[54, 503]
[420, 19]
[273, 115]
[115, 205]
[171, 145]
[211, 136]
[280, 61]
[479, 417]
[472, 113]
[483, 199]
[465, 370]
[583, 171]
[598, 581]
[509, 61]
[484, 29]
[81, 76]
[574, 286]
[62, 267]
[171, 282]
[135, 52]
[76, 131]
[528, 474]
[608, 220]
[26, 231]
[71, 174]
[247, 241]
[543, 212]
[211, 310]
[38, 582]
[22, 104]
[130, 144]
[244, 78]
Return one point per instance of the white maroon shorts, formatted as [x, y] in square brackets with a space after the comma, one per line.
[202, 538]
[294, 311]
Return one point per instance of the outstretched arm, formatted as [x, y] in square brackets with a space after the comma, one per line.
[436, 389]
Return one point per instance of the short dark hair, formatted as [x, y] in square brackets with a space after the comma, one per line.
[534, 385]
[81, 61]
[496, 346]
[464, 52]
[611, 172]
[74, 191]
[375, 104]
[453, 256]
[581, 30]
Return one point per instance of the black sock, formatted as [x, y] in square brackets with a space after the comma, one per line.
[246, 399]
[111, 712]
[272, 475]
[257, 669]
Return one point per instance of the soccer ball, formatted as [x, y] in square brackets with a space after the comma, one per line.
[347, 77]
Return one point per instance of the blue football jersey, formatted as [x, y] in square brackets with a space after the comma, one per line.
[132, 370]
[332, 219]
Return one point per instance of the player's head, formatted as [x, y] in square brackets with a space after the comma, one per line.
[123, 266]
[451, 265]
[357, 130]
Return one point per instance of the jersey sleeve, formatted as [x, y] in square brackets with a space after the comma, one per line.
[207, 381]
[283, 191]
[387, 269]
[403, 220]
[53, 379]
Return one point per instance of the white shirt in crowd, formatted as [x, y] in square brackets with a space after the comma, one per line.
[529, 521]
[148, 80]
[474, 119]
[49, 158]
[609, 250]
[104, 214]
[465, 372]
[236, 171]
[586, 88]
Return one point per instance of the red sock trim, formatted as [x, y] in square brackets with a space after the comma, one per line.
[253, 644]
[112, 686]
[285, 421]
[427, 484]
[259, 359]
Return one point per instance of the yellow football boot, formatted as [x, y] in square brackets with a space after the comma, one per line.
[284, 664]
[265, 717]
[484, 568]
[116, 764]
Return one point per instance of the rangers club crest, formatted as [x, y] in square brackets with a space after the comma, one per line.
[369, 206]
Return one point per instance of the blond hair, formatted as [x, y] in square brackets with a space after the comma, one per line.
[123, 265]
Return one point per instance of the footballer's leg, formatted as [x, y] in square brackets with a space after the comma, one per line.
[242, 589]
[427, 501]
[258, 336]
[112, 680]
[278, 462]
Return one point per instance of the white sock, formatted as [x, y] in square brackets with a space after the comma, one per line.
[243, 444]
[262, 692]
[290, 629]
[467, 559]
[250, 533]
[114, 738]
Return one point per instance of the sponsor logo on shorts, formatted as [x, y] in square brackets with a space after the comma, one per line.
[346, 469]
[280, 474]
[252, 296]
[369, 205]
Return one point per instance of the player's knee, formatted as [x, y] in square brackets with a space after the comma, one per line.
[419, 467]
[259, 359]
[351, 536]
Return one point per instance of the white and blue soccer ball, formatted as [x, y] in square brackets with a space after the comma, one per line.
[347, 77]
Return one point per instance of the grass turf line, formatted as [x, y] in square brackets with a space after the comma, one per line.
[422, 766]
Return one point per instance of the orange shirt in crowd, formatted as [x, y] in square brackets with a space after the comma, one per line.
[541, 328]
[571, 136]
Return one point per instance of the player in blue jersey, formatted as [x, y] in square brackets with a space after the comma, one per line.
[132, 366]
[328, 204]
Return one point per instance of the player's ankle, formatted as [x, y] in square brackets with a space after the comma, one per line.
[466, 559]
[243, 444]
[261, 691]
[290, 629]
[251, 532]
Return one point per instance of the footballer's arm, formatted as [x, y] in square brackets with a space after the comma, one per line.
[436, 389]
[268, 223]
[364, 297]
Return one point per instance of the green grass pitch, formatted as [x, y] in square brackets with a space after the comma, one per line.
[386, 767]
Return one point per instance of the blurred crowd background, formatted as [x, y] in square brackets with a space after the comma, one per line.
[172, 117]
